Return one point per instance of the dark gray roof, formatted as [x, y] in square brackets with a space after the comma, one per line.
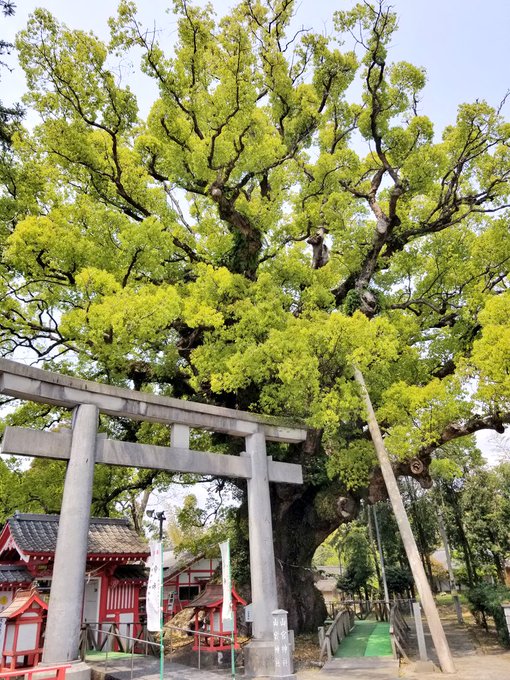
[10, 574]
[38, 534]
[130, 572]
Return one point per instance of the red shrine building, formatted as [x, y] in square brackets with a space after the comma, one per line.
[115, 575]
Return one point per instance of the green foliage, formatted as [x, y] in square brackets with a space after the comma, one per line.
[359, 567]
[486, 514]
[491, 353]
[399, 580]
[325, 555]
[232, 130]
[475, 507]
[353, 465]
[10, 116]
[199, 530]
[485, 600]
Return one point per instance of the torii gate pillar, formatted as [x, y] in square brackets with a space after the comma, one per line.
[259, 653]
[66, 598]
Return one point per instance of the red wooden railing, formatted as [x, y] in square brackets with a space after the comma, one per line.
[29, 673]
[31, 658]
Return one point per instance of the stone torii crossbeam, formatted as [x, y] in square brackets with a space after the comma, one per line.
[83, 447]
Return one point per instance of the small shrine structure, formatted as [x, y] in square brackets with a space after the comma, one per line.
[210, 604]
[22, 625]
[115, 577]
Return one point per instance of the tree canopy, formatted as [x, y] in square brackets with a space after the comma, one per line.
[259, 233]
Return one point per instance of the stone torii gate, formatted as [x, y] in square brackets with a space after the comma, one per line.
[83, 447]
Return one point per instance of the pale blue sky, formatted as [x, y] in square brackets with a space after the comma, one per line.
[464, 44]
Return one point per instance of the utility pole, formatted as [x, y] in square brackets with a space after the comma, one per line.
[451, 576]
[413, 556]
[381, 558]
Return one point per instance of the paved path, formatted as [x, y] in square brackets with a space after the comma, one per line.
[147, 668]
[473, 661]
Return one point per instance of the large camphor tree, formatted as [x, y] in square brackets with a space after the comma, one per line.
[257, 235]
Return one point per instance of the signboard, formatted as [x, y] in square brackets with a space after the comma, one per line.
[248, 613]
[154, 589]
[226, 612]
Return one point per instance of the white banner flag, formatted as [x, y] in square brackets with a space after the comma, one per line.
[226, 612]
[153, 602]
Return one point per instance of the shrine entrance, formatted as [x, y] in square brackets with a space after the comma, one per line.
[83, 447]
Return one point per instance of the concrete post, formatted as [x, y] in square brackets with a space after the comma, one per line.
[413, 556]
[263, 575]
[179, 436]
[420, 635]
[66, 600]
[259, 654]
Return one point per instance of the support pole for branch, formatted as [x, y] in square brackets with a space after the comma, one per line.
[413, 556]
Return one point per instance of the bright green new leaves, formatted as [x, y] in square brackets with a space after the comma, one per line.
[119, 323]
[353, 465]
[175, 252]
[420, 414]
[491, 353]
[83, 89]
[303, 365]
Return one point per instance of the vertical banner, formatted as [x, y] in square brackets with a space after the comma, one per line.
[226, 612]
[153, 602]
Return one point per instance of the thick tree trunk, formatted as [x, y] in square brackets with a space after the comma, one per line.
[303, 517]
[499, 564]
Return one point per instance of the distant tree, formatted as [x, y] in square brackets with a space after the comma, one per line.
[454, 465]
[422, 514]
[9, 115]
[359, 566]
[486, 515]
[400, 580]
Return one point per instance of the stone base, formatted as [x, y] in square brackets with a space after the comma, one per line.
[79, 670]
[259, 661]
[425, 667]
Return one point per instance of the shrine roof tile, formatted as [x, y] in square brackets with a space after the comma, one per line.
[10, 574]
[21, 602]
[38, 534]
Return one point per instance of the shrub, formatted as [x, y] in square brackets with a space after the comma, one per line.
[485, 600]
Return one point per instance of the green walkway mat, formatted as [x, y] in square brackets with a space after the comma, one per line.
[94, 655]
[379, 643]
[368, 638]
